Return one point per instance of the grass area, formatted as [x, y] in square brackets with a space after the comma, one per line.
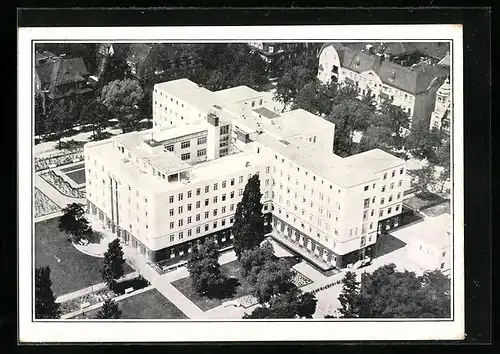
[232, 270]
[438, 209]
[78, 176]
[71, 270]
[424, 200]
[150, 304]
[74, 167]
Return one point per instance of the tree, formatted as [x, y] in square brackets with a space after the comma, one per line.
[248, 228]
[387, 293]
[116, 69]
[274, 278]
[113, 264]
[204, 268]
[425, 144]
[288, 85]
[96, 114]
[348, 116]
[59, 118]
[397, 120]
[109, 310]
[40, 116]
[425, 177]
[349, 297]
[45, 301]
[74, 222]
[122, 98]
[307, 305]
[253, 260]
[375, 138]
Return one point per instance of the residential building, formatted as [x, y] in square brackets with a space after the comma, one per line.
[57, 76]
[371, 73]
[141, 59]
[274, 52]
[168, 188]
[442, 115]
[429, 243]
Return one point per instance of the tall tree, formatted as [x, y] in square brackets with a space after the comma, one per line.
[425, 177]
[288, 85]
[307, 305]
[109, 310]
[204, 268]
[74, 222]
[397, 120]
[45, 301]
[122, 97]
[376, 138]
[349, 297]
[116, 69]
[96, 114]
[248, 228]
[59, 118]
[113, 262]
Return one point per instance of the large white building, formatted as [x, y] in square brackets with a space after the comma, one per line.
[165, 189]
[411, 88]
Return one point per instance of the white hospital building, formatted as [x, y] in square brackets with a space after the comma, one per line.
[167, 188]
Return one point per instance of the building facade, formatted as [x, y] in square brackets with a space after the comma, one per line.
[413, 88]
[168, 188]
[443, 114]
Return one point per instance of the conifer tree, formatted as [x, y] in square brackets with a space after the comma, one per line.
[45, 301]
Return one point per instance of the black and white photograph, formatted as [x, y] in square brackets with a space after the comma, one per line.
[265, 178]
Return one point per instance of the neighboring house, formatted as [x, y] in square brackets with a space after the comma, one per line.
[273, 52]
[142, 60]
[429, 243]
[411, 88]
[103, 53]
[58, 77]
[166, 189]
[443, 114]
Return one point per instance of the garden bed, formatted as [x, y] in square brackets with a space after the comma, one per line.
[61, 185]
[43, 204]
[299, 279]
[57, 160]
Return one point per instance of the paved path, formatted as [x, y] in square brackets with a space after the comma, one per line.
[99, 304]
[52, 193]
[91, 289]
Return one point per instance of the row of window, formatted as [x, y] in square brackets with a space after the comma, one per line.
[389, 211]
[189, 207]
[206, 228]
[355, 76]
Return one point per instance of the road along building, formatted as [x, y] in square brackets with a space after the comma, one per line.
[165, 189]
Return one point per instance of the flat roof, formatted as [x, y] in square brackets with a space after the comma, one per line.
[433, 231]
[163, 134]
[188, 91]
[238, 94]
[376, 160]
[266, 112]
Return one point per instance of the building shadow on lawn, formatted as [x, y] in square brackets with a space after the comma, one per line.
[388, 244]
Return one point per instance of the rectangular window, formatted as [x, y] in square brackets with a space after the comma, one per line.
[216, 186]
[366, 203]
[385, 175]
[198, 204]
[198, 191]
[382, 200]
[231, 207]
[240, 180]
[383, 189]
[390, 198]
[215, 212]
[169, 147]
[180, 209]
[215, 199]
[207, 189]
[224, 129]
[240, 192]
[206, 202]
[202, 140]
[198, 229]
[381, 213]
[207, 215]
[393, 173]
[189, 233]
[171, 212]
[201, 152]
[389, 210]
[232, 181]
[171, 199]
[223, 222]
[400, 183]
[206, 227]
[401, 171]
[198, 217]
[223, 197]
[185, 144]
[171, 238]
[181, 235]
[223, 184]
[223, 209]
[171, 224]
[180, 222]
[189, 193]
[267, 169]
[392, 185]
[185, 156]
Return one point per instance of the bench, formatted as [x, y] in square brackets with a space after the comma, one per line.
[129, 290]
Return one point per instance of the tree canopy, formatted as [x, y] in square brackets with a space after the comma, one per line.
[45, 301]
[248, 228]
[113, 263]
[204, 269]
[74, 222]
[122, 98]
[387, 293]
[109, 310]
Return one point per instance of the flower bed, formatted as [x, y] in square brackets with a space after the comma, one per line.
[300, 279]
[61, 185]
[57, 160]
[92, 299]
[43, 204]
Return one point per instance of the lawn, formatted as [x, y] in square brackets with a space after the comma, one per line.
[424, 200]
[74, 167]
[438, 209]
[78, 176]
[149, 305]
[71, 270]
[230, 270]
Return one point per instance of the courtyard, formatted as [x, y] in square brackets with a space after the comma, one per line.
[70, 269]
